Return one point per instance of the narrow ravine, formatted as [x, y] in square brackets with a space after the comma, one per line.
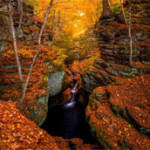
[68, 120]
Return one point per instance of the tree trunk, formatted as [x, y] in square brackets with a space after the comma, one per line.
[107, 13]
[53, 21]
[62, 23]
[130, 36]
[110, 2]
[121, 2]
[19, 6]
[20, 12]
[35, 56]
[15, 42]
[58, 21]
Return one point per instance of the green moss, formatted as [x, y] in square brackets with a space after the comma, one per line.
[92, 125]
[105, 116]
[103, 138]
[125, 145]
[93, 105]
[97, 96]
[97, 115]
[42, 100]
[119, 111]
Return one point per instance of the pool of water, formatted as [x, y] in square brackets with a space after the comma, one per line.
[68, 121]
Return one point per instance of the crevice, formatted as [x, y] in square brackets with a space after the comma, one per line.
[55, 124]
[124, 113]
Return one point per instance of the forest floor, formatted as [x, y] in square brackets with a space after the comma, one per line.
[18, 132]
[122, 119]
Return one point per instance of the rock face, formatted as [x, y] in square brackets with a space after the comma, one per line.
[29, 30]
[113, 35]
[56, 82]
[59, 92]
[95, 79]
[4, 27]
[118, 111]
[104, 73]
[119, 114]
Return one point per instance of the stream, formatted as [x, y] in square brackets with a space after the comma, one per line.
[68, 120]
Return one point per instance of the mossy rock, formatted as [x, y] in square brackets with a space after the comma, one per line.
[111, 71]
[56, 82]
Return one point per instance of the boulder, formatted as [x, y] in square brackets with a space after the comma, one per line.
[60, 88]
[56, 82]
[112, 124]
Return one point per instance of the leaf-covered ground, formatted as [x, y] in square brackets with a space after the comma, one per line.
[134, 95]
[122, 120]
[17, 132]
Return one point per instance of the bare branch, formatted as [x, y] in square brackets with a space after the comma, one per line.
[36, 54]
[63, 1]
[125, 19]
[130, 36]
[15, 42]
[20, 11]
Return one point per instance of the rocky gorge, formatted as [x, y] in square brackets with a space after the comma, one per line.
[115, 95]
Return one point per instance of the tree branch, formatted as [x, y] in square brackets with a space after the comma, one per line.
[15, 42]
[36, 54]
[20, 11]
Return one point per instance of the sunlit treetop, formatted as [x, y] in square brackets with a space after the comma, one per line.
[72, 16]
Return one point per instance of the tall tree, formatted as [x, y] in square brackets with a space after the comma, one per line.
[122, 7]
[15, 41]
[20, 12]
[130, 35]
[128, 23]
[36, 54]
[107, 13]
[19, 6]
[25, 84]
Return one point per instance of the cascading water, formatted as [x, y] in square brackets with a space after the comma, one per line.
[71, 116]
[68, 120]
[72, 101]
[74, 89]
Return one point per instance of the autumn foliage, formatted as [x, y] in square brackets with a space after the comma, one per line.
[111, 116]
[17, 132]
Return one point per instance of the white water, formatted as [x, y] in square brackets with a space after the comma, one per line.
[74, 89]
[72, 101]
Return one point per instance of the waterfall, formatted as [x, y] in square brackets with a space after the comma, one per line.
[73, 92]
[74, 89]
[72, 101]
